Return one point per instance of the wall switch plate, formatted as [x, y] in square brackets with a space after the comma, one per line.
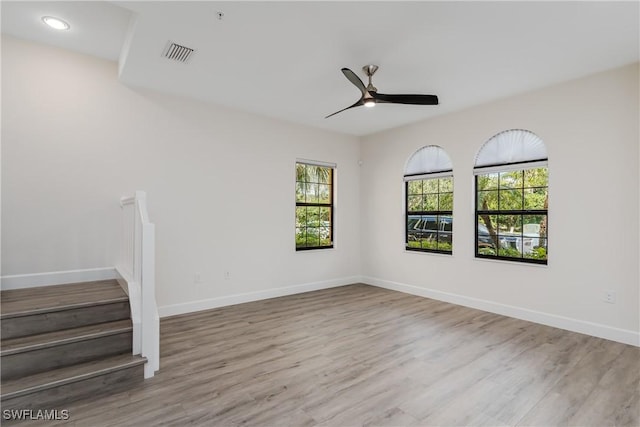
[227, 275]
[197, 278]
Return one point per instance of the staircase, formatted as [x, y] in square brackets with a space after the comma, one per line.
[65, 342]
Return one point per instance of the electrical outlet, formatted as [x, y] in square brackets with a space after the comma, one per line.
[227, 275]
[610, 297]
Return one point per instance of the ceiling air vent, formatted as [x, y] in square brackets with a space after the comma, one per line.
[177, 52]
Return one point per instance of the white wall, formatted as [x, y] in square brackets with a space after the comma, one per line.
[221, 192]
[591, 129]
[220, 183]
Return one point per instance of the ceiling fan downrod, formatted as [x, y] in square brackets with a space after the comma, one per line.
[370, 70]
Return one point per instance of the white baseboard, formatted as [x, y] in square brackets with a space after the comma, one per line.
[589, 328]
[21, 281]
[625, 336]
[207, 304]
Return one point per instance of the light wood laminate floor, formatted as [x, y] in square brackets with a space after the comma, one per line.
[360, 355]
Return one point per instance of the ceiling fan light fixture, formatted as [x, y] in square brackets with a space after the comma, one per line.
[370, 95]
[55, 23]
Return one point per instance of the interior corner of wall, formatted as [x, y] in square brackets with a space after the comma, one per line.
[126, 45]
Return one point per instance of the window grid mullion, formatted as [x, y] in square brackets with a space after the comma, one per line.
[306, 181]
[437, 214]
[514, 212]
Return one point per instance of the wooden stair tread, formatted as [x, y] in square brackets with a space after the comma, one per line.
[68, 375]
[62, 343]
[24, 302]
[65, 336]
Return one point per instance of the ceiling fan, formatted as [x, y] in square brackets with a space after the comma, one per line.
[370, 96]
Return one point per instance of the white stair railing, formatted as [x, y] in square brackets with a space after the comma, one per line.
[137, 268]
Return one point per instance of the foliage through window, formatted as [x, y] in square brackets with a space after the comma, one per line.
[429, 201]
[430, 214]
[314, 206]
[512, 204]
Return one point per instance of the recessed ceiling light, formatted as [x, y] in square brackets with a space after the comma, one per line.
[55, 23]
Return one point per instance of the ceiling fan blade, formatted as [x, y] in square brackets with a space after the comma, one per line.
[357, 104]
[353, 78]
[406, 99]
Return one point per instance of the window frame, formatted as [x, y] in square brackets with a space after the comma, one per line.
[436, 213]
[331, 205]
[478, 213]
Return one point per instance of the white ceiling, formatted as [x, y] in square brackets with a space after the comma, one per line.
[283, 59]
[97, 28]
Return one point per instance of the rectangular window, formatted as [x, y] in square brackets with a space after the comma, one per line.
[511, 215]
[429, 214]
[314, 206]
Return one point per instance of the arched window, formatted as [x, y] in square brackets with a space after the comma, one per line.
[428, 180]
[511, 180]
